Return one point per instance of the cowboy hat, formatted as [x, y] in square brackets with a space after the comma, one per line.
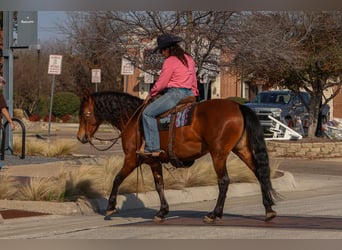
[166, 40]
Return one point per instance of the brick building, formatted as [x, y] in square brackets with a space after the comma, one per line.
[337, 106]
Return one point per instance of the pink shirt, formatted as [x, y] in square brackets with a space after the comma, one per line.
[175, 74]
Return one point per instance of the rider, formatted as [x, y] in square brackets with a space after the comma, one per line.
[3, 105]
[177, 80]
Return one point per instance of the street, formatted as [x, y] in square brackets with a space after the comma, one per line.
[313, 210]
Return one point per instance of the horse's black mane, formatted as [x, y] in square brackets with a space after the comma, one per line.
[115, 107]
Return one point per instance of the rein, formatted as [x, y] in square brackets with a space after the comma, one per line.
[114, 140]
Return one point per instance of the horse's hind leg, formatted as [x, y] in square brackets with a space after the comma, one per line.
[223, 183]
[157, 172]
[262, 173]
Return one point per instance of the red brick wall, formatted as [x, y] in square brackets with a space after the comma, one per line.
[230, 84]
[337, 106]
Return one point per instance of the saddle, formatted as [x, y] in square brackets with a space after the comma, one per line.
[170, 117]
[182, 105]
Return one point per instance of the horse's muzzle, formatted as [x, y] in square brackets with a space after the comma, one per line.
[83, 139]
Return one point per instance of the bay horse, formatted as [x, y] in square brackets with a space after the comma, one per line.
[218, 127]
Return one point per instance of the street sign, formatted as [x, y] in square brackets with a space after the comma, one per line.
[127, 68]
[96, 75]
[27, 28]
[55, 65]
[148, 78]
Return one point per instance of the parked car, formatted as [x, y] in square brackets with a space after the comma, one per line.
[284, 105]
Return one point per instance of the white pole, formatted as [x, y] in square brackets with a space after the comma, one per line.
[51, 102]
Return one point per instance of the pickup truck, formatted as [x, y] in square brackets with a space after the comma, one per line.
[283, 105]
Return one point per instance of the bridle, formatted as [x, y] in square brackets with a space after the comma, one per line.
[89, 139]
[113, 140]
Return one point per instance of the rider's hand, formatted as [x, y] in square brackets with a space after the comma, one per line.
[147, 99]
[12, 125]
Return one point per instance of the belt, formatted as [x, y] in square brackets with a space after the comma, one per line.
[183, 89]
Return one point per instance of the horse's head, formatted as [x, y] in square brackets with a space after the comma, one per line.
[88, 124]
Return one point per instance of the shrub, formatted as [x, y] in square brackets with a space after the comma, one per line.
[66, 118]
[237, 99]
[65, 103]
[34, 118]
[42, 107]
[53, 118]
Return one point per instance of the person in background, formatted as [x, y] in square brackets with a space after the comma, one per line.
[177, 80]
[4, 111]
[3, 105]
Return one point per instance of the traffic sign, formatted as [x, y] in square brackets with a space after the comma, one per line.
[127, 68]
[55, 65]
[96, 75]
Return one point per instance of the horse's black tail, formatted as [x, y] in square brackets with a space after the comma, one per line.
[257, 146]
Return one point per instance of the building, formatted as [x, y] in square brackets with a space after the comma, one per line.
[337, 106]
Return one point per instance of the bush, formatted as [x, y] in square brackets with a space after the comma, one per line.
[65, 103]
[66, 118]
[34, 118]
[42, 108]
[53, 118]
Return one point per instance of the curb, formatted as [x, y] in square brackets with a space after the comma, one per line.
[85, 206]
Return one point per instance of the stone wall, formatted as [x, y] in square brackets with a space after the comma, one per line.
[304, 149]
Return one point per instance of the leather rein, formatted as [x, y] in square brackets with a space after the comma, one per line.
[113, 140]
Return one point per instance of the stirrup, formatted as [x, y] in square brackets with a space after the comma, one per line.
[150, 154]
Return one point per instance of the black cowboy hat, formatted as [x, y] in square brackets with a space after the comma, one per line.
[166, 40]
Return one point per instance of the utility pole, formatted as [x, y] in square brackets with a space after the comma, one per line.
[27, 35]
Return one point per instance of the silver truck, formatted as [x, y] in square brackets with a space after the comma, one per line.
[285, 106]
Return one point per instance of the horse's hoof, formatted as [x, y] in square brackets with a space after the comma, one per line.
[270, 215]
[209, 219]
[109, 214]
[158, 219]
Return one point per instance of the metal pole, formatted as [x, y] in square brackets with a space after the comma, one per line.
[126, 83]
[51, 101]
[8, 69]
[206, 85]
[38, 79]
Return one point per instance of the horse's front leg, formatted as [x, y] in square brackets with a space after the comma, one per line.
[111, 207]
[119, 178]
[157, 172]
[223, 183]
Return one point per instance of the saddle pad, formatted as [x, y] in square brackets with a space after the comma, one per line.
[183, 118]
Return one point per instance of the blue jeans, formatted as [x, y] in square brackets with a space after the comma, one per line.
[164, 103]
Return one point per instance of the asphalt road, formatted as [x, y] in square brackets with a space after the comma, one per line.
[315, 166]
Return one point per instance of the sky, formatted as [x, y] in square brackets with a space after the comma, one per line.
[47, 24]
